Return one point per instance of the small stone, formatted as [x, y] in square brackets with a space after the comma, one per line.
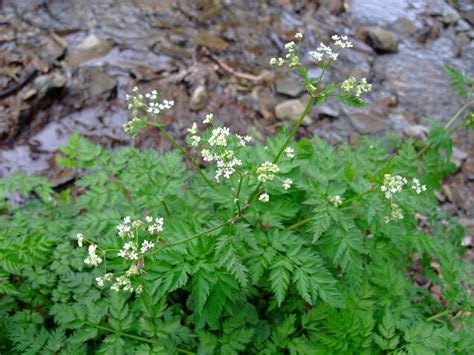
[45, 83]
[365, 121]
[333, 6]
[288, 86]
[91, 47]
[416, 131]
[89, 82]
[458, 157]
[451, 17]
[199, 98]
[405, 26]
[463, 26]
[289, 110]
[381, 39]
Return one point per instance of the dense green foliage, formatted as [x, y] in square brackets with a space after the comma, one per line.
[342, 282]
[350, 255]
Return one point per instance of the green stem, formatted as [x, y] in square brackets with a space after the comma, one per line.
[131, 336]
[166, 208]
[456, 116]
[287, 141]
[238, 192]
[439, 315]
[185, 153]
[451, 121]
[194, 236]
[300, 223]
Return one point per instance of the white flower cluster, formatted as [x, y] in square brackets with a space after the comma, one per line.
[336, 200]
[125, 228]
[208, 119]
[291, 54]
[392, 185]
[219, 137]
[129, 251]
[417, 187]
[92, 259]
[352, 86]
[150, 102]
[80, 239]
[101, 280]
[287, 184]
[226, 163]
[342, 42]
[324, 52]
[243, 140]
[290, 152]
[264, 197]
[396, 213]
[215, 151]
[266, 172]
[156, 226]
[132, 250]
[125, 282]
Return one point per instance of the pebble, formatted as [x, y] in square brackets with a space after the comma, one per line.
[288, 86]
[382, 39]
[289, 110]
[199, 98]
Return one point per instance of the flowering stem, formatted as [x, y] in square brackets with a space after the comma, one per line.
[451, 121]
[238, 192]
[194, 236]
[287, 141]
[185, 153]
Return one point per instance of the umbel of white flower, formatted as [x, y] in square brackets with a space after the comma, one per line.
[392, 185]
[92, 258]
[266, 172]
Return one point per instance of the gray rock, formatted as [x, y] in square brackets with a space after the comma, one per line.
[50, 138]
[289, 110]
[378, 11]
[91, 82]
[367, 121]
[406, 75]
[405, 26]
[333, 6]
[416, 131]
[90, 48]
[288, 86]
[463, 26]
[381, 39]
[441, 8]
[199, 98]
[47, 82]
[458, 157]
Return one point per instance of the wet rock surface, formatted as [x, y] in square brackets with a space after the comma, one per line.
[67, 66]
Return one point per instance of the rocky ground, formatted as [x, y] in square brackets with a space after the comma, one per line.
[67, 65]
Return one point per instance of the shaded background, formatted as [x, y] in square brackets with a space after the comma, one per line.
[67, 65]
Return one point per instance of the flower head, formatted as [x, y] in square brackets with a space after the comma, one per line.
[80, 239]
[392, 185]
[264, 197]
[266, 171]
[287, 183]
[92, 258]
[193, 129]
[208, 119]
[417, 187]
[335, 200]
[290, 152]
